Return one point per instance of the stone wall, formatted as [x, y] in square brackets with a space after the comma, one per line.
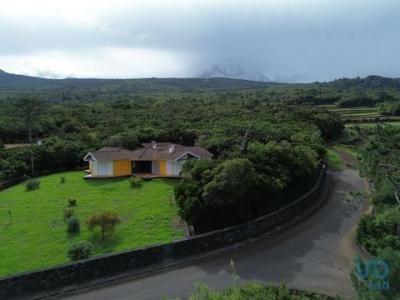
[113, 264]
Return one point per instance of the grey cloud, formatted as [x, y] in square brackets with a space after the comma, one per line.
[312, 41]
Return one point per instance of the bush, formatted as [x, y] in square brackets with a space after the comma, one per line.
[379, 231]
[254, 291]
[71, 202]
[106, 221]
[32, 184]
[73, 225]
[62, 179]
[68, 213]
[135, 181]
[80, 250]
[383, 198]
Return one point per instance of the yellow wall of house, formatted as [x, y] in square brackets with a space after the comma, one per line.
[163, 167]
[91, 167]
[122, 167]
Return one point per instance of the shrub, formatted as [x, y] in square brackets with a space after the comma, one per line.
[383, 198]
[62, 179]
[254, 291]
[106, 221]
[135, 181]
[73, 225]
[71, 202]
[80, 250]
[68, 213]
[32, 184]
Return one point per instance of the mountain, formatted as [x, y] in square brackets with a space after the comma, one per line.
[236, 73]
[14, 81]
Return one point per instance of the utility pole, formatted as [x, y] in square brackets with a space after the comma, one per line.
[39, 143]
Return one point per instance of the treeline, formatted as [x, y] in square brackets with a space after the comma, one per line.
[342, 98]
[367, 91]
[53, 155]
[367, 83]
[390, 109]
[361, 99]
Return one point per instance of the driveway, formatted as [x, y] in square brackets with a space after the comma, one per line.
[316, 254]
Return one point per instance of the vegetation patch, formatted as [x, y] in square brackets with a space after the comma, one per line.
[379, 232]
[37, 227]
[255, 291]
[334, 160]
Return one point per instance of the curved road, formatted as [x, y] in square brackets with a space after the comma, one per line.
[316, 254]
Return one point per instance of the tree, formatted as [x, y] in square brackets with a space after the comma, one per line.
[107, 221]
[29, 108]
[127, 139]
[215, 196]
[229, 185]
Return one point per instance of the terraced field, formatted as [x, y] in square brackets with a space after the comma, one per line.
[363, 116]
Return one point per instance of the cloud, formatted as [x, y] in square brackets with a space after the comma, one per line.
[286, 40]
[93, 62]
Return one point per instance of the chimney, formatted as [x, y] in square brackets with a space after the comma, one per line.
[153, 144]
[171, 148]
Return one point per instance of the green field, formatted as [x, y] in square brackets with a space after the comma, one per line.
[372, 124]
[370, 115]
[356, 112]
[34, 236]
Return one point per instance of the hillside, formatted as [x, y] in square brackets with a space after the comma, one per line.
[10, 81]
[369, 82]
[13, 80]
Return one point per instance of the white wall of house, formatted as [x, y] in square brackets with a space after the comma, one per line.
[155, 167]
[174, 167]
[102, 168]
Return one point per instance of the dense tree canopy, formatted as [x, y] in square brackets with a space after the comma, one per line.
[265, 177]
[217, 123]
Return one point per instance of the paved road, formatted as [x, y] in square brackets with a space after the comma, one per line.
[317, 254]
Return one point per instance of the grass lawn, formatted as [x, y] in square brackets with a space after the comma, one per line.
[334, 161]
[35, 236]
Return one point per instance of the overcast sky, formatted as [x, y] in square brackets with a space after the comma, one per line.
[279, 40]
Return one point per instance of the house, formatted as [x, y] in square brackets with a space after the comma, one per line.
[153, 159]
[109, 162]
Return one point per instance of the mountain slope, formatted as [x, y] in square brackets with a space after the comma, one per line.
[14, 81]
